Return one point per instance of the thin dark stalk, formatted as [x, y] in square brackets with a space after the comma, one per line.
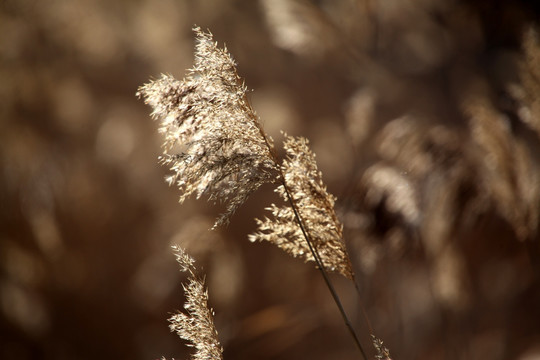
[322, 270]
[364, 312]
[313, 250]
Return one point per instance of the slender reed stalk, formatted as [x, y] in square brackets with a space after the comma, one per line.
[321, 268]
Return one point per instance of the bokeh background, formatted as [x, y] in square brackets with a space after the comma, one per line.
[425, 118]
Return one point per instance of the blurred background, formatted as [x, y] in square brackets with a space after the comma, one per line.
[425, 118]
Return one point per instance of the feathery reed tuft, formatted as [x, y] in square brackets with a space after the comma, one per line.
[214, 144]
[315, 207]
[382, 352]
[197, 326]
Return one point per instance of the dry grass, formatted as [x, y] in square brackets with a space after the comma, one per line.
[425, 120]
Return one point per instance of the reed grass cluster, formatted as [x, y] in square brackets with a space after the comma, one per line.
[428, 183]
[215, 146]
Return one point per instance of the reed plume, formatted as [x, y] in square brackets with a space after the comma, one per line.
[315, 207]
[214, 144]
[197, 325]
[382, 352]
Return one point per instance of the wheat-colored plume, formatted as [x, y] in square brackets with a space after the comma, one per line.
[315, 207]
[214, 144]
[197, 325]
[382, 352]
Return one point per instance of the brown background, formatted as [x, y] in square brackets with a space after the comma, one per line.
[86, 220]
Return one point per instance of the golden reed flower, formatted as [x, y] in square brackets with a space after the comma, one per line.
[197, 325]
